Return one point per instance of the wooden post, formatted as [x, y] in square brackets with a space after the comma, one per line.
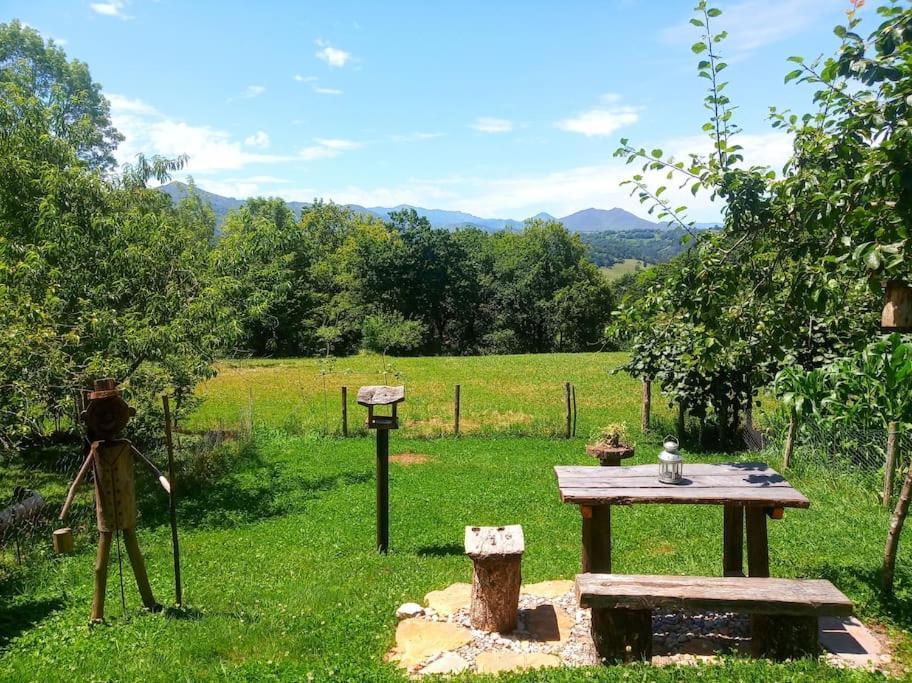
[456, 411]
[172, 505]
[889, 465]
[647, 405]
[567, 397]
[496, 554]
[344, 411]
[784, 637]
[383, 490]
[790, 440]
[573, 393]
[757, 543]
[596, 538]
[63, 541]
[896, 525]
[733, 541]
[622, 635]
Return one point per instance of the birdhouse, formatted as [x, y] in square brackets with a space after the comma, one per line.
[373, 397]
[897, 310]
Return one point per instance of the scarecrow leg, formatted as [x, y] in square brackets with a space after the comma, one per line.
[139, 570]
[101, 574]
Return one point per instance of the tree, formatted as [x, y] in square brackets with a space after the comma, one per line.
[74, 107]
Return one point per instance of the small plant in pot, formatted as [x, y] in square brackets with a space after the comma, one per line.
[611, 444]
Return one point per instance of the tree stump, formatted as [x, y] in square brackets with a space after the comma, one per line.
[784, 637]
[622, 635]
[63, 541]
[609, 456]
[496, 554]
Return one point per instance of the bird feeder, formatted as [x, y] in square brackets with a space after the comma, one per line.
[897, 311]
[671, 466]
[371, 398]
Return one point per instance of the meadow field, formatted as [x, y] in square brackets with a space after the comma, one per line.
[281, 581]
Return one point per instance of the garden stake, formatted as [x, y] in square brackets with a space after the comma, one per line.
[573, 393]
[456, 411]
[567, 397]
[344, 411]
[172, 506]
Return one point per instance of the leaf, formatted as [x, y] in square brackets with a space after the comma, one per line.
[697, 48]
[713, 12]
[697, 22]
[792, 75]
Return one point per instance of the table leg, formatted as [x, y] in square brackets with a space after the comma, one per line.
[596, 538]
[733, 541]
[757, 543]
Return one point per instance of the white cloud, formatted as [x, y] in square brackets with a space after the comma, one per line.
[304, 79]
[603, 119]
[489, 124]
[252, 91]
[260, 139]
[415, 137]
[331, 55]
[147, 130]
[753, 24]
[327, 91]
[112, 8]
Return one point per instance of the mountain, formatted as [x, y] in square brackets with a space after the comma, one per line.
[600, 220]
[586, 221]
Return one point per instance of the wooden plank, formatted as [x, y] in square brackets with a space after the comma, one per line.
[494, 541]
[715, 495]
[611, 480]
[811, 597]
[721, 469]
[380, 395]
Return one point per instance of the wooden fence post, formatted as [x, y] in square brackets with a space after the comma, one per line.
[567, 397]
[573, 391]
[647, 405]
[889, 465]
[344, 411]
[456, 398]
[790, 440]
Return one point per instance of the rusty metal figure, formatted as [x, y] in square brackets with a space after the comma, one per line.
[111, 459]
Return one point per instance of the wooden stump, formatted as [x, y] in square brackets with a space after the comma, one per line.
[784, 637]
[622, 635]
[63, 541]
[496, 554]
[609, 456]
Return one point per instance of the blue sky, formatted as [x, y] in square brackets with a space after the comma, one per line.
[497, 108]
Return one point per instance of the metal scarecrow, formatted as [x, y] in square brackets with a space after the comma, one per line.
[111, 459]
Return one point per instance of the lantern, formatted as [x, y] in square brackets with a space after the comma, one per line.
[670, 463]
[897, 310]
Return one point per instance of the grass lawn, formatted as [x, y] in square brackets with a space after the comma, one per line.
[621, 268]
[280, 579]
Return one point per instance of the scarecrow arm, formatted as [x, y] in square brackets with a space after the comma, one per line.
[77, 481]
[162, 479]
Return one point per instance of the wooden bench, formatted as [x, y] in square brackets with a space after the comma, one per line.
[784, 612]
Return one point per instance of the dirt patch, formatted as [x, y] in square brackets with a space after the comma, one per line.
[410, 458]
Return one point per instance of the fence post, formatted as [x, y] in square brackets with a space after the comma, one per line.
[569, 418]
[647, 405]
[456, 411]
[573, 392]
[890, 465]
[344, 411]
[681, 413]
[790, 440]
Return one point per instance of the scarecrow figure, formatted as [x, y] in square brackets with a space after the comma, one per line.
[111, 459]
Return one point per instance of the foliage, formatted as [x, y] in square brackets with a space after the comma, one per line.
[391, 333]
[613, 435]
[649, 246]
[866, 390]
[794, 275]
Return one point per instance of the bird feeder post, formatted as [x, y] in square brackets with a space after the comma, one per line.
[370, 398]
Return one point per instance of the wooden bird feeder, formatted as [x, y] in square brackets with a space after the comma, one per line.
[897, 310]
[370, 398]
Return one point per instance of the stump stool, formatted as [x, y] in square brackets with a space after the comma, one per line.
[496, 554]
[610, 456]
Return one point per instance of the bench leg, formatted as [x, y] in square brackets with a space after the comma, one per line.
[733, 541]
[622, 635]
[784, 637]
[758, 563]
[596, 538]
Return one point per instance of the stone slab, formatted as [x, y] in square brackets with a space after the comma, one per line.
[451, 599]
[548, 589]
[417, 640]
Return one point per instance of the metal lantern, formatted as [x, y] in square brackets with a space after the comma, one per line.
[671, 465]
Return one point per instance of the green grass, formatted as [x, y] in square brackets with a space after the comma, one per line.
[621, 268]
[280, 579]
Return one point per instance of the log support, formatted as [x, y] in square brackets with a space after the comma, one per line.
[784, 637]
[757, 543]
[733, 541]
[596, 538]
[622, 635]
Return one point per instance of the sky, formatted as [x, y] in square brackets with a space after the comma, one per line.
[501, 109]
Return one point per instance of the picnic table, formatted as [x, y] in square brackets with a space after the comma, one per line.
[749, 493]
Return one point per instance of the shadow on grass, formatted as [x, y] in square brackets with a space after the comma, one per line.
[183, 613]
[897, 607]
[443, 550]
[20, 618]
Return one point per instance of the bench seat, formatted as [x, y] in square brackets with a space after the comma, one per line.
[783, 612]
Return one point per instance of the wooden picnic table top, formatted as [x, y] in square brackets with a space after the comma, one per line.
[741, 484]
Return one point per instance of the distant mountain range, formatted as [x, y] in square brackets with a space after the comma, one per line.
[587, 220]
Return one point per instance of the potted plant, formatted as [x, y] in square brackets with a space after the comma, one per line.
[610, 445]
